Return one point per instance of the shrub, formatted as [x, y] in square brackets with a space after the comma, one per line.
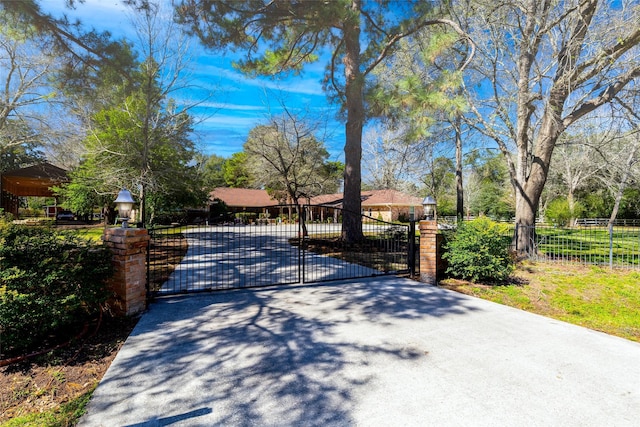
[560, 214]
[50, 282]
[170, 217]
[479, 251]
[246, 217]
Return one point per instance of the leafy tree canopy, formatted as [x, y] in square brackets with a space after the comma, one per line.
[282, 36]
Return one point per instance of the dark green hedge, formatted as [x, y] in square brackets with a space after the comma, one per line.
[51, 283]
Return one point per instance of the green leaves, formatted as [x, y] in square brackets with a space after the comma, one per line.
[49, 281]
[235, 171]
[479, 251]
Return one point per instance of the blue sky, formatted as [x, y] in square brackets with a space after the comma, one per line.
[230, 104]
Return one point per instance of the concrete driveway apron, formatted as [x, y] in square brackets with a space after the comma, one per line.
[374, 352]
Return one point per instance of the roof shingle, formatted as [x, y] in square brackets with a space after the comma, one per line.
[243, 197]
[246, 197]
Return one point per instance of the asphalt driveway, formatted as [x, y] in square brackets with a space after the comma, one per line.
[373, 352]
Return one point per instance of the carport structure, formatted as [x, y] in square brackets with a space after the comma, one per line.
[36, 181]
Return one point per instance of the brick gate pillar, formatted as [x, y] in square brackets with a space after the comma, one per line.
[428, 251]
[129, 248]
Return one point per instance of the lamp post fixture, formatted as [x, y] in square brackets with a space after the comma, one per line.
[124, 204]
[429, 205]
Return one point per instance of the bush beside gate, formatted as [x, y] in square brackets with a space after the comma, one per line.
[51, 283]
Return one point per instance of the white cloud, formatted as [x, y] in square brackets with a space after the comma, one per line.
[231, 107]
[229, 122]
[297, 85]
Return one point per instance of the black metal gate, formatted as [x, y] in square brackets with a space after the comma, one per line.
[262, 249]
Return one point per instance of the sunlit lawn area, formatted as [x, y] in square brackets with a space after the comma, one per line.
[94, 233]
[590, 244]
[598, 298]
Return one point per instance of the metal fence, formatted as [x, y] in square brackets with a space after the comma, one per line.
[238, 254]
[615, 246]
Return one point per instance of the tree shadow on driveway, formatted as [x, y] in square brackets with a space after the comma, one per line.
[301, 355]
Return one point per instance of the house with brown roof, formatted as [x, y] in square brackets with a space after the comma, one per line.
[247, 200]
[244, 198]
[391, 205]
[386, 205]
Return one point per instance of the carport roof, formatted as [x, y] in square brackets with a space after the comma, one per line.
[34, 180]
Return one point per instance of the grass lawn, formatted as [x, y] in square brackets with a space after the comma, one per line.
[594, 297]
[94, 233]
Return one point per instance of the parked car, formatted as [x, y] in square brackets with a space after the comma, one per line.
[223, 218]
[65, 215]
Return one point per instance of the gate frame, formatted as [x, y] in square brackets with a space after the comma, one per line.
[407, 235]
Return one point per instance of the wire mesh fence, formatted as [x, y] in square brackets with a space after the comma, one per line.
[615, 246]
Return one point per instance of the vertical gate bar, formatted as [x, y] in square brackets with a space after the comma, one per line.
[177, 246]
[248, 276]
[206, 256]
[241, 237]
[301, 257]
[149, 249]
[411, 248]
[182, 240]
[218, 256]
[189, 277]
[212, 255]
[177, 243]
[249, 244]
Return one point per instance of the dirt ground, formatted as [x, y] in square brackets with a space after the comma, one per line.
[57, 377]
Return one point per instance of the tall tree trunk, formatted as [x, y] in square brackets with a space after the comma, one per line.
[528, 187]
[459, 183]
[571, 201]
[351, 218]
[622, 185]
